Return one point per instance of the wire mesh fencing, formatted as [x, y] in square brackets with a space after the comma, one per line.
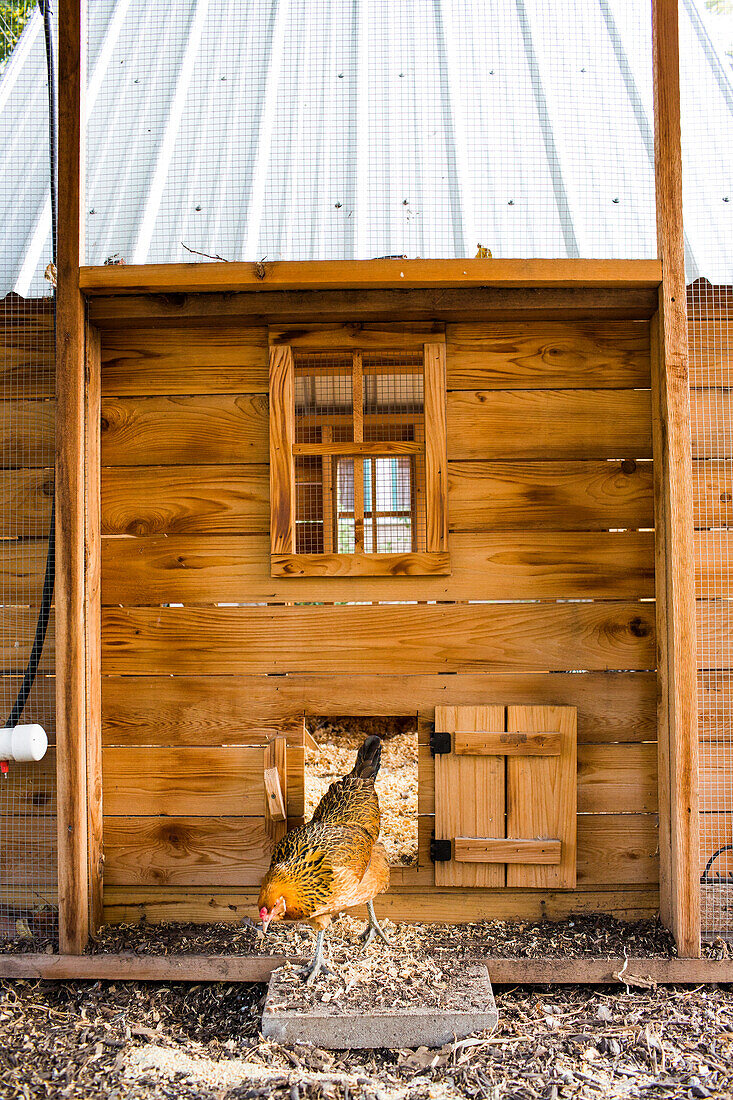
[707, 140]
[27, 790]
[320, 129]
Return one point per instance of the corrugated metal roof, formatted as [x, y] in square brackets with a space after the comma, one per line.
[317, 129]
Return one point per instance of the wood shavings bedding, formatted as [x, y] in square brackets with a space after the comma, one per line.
[396, 786]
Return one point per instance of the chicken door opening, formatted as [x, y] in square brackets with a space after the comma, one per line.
[338, 740]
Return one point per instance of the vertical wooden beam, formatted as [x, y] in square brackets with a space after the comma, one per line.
[71, 667]
[282, 465]
[92, 560]
[676, 625]
[358, 403]
[436, 461]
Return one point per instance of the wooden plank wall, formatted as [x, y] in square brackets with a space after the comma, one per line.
[550, 500]
[710, 335]
[28, 793]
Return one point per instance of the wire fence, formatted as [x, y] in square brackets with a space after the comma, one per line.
[707, 139]
[27, 791]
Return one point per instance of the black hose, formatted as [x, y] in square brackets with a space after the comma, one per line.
[46, 8]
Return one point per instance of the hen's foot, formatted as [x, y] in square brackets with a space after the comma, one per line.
[310, 973]
[373, 929]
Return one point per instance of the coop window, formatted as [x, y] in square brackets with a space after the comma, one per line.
[357, 461]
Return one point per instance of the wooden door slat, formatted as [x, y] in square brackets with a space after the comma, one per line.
[469, 849]
[469, 796]
[483, 743]
[542, 796]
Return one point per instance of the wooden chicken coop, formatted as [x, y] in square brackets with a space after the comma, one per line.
[457, 490]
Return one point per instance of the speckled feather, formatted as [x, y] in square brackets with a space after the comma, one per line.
[322, 867]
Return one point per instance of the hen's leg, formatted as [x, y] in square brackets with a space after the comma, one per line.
[310, 973]
[373, 928]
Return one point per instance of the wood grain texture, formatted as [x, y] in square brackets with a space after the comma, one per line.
[201, 782]
[143, 431]
[617, 778]
[468, 849]
[93, 597]
[357, 336]
[557, 496]
[713, 551]
[26, 433]
[542, 796]
[469, 797]
[25, 501]
[618, 849]
[29, 790]
[678, 770]
[320, 567]
[709, 408]
[185, 359]
[132, 904]
[436, 460]
[387, 305]
[504, 971]
[715, 777]
[712, 484]
[186, 851]
[27, 340]
[710, 346]
[715, 700]
[548, 424]
[149, 500]
[365, 274]
[230, 568]
[549, 354]
[612, 778]
[484, 743]
[483, 496]
[714, 636]
[380, 639]
[211, 710]
[282, 437]
[73, 888]
[359, 447]
[481, 424]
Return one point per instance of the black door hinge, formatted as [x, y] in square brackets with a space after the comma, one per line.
[440, 743]
[441, 851]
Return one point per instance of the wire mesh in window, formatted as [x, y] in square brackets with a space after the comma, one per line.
[355, 503]
[394, 397]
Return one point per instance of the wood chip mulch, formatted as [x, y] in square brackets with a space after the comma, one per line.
[582, 936]
[122, 1041]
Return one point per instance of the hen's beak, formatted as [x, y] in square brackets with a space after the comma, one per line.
[266, 923]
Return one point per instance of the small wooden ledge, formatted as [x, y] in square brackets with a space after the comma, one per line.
[365, 275]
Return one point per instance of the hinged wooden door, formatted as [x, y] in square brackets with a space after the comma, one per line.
[506, 795]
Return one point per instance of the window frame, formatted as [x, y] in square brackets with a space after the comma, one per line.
[285, 561]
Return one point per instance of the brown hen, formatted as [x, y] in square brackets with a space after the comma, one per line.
[334, 862]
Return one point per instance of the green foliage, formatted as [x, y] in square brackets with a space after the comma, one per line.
[14, 15]
[720, 7]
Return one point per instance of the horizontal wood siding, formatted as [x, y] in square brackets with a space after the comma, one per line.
[550, 503]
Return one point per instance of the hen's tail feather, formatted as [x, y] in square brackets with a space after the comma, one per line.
[368, 759]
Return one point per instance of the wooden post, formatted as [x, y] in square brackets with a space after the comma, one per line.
[676, 613]
[71, 669]
[93, 613]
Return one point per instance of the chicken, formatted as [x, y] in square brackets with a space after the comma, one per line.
[332, 863]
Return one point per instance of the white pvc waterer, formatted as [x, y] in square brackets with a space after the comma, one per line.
[23, 744]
